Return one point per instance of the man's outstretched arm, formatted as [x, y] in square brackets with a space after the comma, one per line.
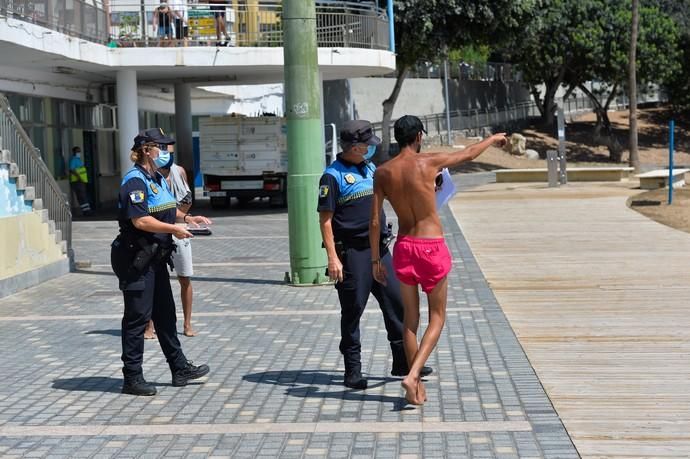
[441, 160]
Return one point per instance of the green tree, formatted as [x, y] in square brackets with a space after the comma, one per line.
[427, 29]
[573, 42]
[678, 85]
[657, 60]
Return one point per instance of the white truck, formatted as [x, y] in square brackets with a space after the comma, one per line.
[244, 158]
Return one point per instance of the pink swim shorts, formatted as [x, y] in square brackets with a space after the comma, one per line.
[421, 261]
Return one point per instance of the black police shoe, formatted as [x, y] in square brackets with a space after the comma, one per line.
[400, 370]
[181, 376]
[137, 385]
[354, 380]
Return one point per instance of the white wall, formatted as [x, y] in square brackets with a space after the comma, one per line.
[418, 96]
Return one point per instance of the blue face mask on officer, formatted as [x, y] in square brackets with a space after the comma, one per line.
[163, 157]
[371, 151]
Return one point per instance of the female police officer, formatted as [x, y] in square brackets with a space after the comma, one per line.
[140, 255]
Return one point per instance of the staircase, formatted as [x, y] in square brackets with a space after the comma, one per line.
[35, 217]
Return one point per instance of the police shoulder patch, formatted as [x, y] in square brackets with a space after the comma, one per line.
[323, 191]
[137, 196]
[349, 178]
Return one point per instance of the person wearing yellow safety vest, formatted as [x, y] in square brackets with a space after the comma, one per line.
[78, 180]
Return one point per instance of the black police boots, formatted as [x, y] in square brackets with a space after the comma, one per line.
[181, 376]
[354, 378]
[137, 385]
[403, 370]
[400, 367]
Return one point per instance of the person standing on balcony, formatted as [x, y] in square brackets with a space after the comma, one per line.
[163, 21]
[179, 9]
[218, 8]
[78, 178]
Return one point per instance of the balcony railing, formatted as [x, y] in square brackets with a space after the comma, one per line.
[85, 19]
[247, 23]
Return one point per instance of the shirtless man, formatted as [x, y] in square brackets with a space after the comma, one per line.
[421, 256]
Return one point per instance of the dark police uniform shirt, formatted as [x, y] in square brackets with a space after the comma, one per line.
[347, 190]
[142, 194]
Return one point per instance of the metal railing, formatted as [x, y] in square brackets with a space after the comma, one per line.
[85, 19]
[475, 120]
[28, 159]
[247, 22]
[488, 71]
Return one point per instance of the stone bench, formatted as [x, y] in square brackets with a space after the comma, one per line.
[653, 180]
[575, 174]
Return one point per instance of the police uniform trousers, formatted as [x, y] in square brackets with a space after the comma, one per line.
[150, 297]
[353, 293]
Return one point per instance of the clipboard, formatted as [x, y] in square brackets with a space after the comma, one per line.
[445, 188]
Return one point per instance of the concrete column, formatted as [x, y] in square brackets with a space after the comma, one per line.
[323, 120]
[184, 156]
[127, 115]
[304, 136]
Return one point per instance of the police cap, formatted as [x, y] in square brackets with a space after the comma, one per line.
[358, 131]
[153, 135]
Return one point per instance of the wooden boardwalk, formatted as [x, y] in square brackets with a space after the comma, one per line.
[599, 297]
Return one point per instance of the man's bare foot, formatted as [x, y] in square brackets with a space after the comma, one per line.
[421, 392]
[411, 386]
[189, 331]
[150, 330]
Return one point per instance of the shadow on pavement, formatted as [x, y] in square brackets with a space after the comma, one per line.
[230, 280]
[93, 271]
[117, 332]
[235, 280]
[306, 383]
[89, 384]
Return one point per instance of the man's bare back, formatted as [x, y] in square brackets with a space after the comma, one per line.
[407, 181]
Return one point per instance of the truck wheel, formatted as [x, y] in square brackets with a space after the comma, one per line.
[243, 201]
[279, 201]
[220, 202]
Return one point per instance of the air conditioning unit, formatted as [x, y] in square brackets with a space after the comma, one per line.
[104, 116]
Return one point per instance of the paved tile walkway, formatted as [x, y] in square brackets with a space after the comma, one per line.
[275, 389]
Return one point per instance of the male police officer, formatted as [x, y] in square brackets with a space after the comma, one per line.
[345, 197]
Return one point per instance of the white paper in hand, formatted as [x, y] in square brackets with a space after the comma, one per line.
[446, 190]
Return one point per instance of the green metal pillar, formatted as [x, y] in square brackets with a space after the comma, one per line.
[304, 133]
